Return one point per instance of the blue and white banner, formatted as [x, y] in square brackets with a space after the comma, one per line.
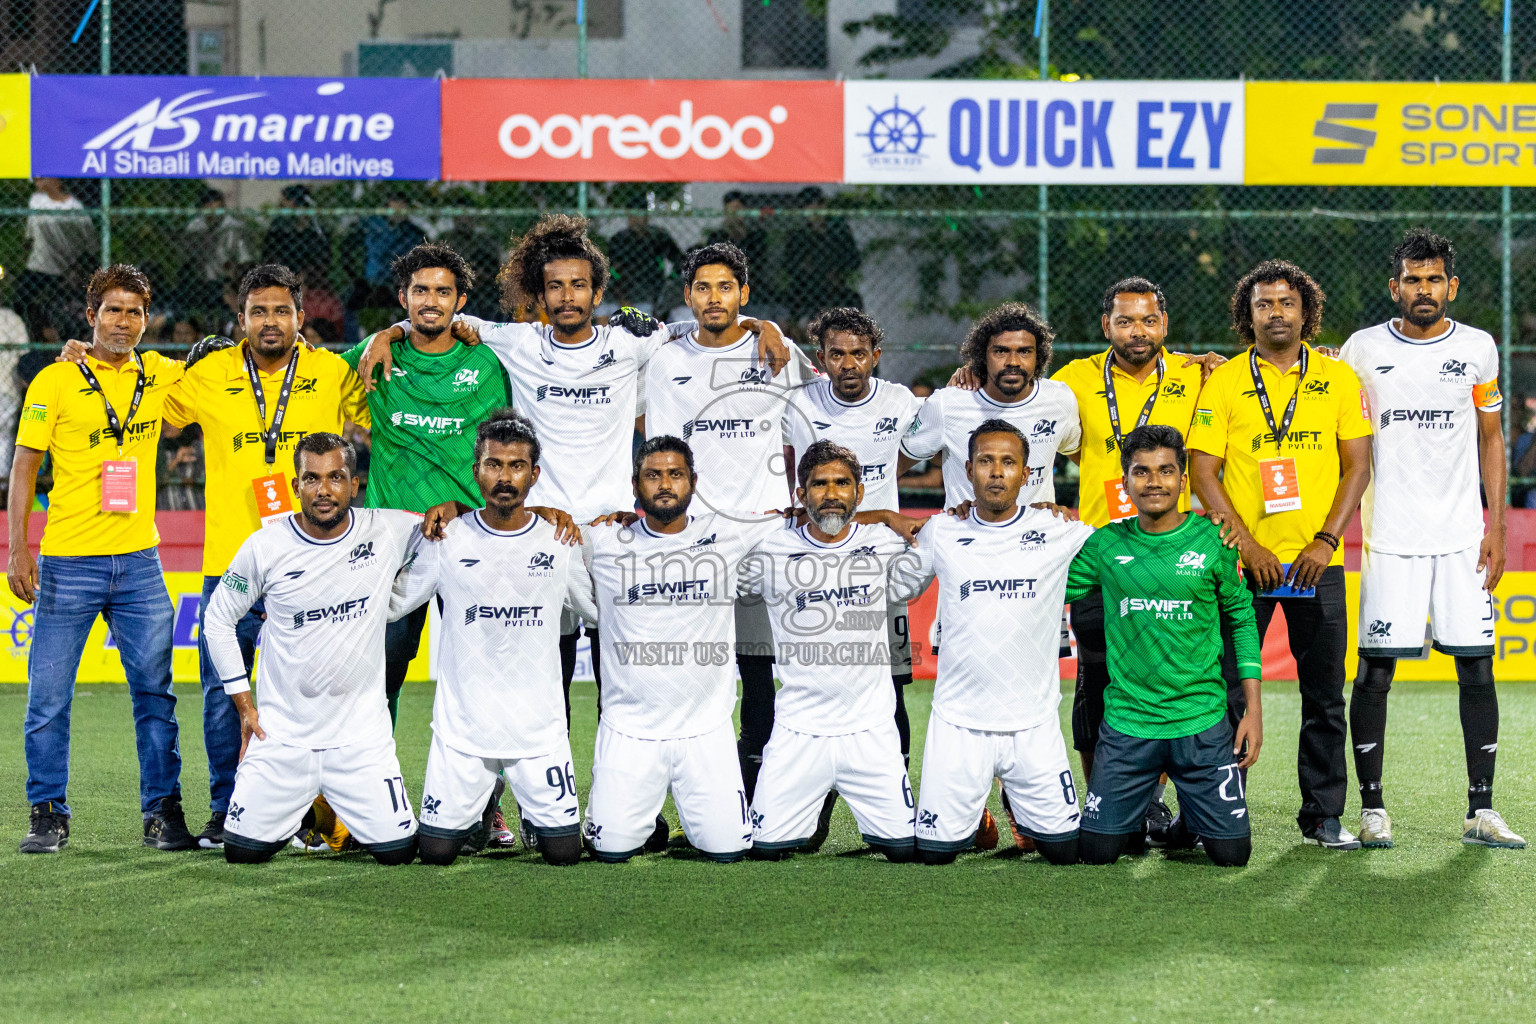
[1016, 133]
[152, 126]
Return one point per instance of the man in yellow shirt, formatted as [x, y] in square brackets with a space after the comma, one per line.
[1132, 383]
[100, 420]
[1292, 429]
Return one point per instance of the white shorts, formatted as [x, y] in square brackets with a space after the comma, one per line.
[754, 629]
[959, 766]
[459, 785]
[630, 779]
[275, 784]
[1399, 592]
[799, 770]
[898, 635]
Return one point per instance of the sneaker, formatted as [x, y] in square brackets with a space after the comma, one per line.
[165, 827]
[212, 835]
[526, 833]
[502, 837]
[1022, 841]
[1375, 828]
[1330, 835]
[48, 831]
[1159, 820]
[986, 832]
[480, 833]
[1486, 828]
[823, 824]
[1176, 835]
[659, 836]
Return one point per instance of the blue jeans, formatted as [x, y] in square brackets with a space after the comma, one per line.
[221, 722]
[129, 592]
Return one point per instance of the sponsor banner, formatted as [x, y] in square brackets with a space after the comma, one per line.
[1391, 133]
[624, 130]
[153, 126]
[15, 126]
[1080, 133]
[101, 663]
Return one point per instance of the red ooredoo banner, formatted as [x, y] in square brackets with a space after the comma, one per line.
[638, 130]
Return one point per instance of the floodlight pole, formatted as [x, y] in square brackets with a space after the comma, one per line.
[1506, 283]
[1043, 255]
[106, 183]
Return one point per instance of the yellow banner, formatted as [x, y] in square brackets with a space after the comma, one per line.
[1390, 133]
[100, 663]
[15, 126]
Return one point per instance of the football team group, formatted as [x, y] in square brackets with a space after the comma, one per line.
[756, 534]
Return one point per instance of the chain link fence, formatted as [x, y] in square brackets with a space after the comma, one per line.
[923, 260]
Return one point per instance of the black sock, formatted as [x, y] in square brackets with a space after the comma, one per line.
[903, 723]
[568, 670]
[756, 715]
[1479, 728]
[1368, 724]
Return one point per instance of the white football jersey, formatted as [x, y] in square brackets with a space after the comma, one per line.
[871, 428]
[725, 404]
[1424, 496]
[582, 401]
[667, 621]
[828, 606]
[1048, 418]
[320, 677]
[1001, 591]
[498, 663]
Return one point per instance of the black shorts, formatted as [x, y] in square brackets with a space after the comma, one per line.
[1201, 767]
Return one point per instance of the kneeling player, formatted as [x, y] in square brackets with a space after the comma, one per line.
[504, 579]
[325, 575]
[1002, 576]
[1177, 590]
[825, 585]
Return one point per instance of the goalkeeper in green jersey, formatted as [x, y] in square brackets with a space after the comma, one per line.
[1171, 590]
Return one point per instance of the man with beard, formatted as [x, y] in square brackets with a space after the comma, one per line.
[712, 387]
[503, 578]
[325, 576]
[666, 588]
[1434, 389]
[825, 587]
[1280, 448]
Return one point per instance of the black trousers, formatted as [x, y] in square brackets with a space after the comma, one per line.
[1319, 635]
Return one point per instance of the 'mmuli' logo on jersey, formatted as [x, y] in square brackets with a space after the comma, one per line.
[1453, 368]
[1424, 419]
[1031, 538]
[1173, 389]
[725, 428]
[606, 359]
[1310, 440]
[541, 561]
[1043, 428]
[466, 378]
[884, 426]
[346, 611]
[1008, 590]
[1378, 628]
[361, 553]
[1160, 607]
[699, 545]
[595, 395]
[674, 592]
[1191, 563]
[852, 595]
[1316, 387]
[756, 375]
[515, 615]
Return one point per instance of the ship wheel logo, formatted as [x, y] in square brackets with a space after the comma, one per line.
[895, 131]
[21, 629]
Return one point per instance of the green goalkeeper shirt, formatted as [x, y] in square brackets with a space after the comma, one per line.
[424, 421]
[1168, 599]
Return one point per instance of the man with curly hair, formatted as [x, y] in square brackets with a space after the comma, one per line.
[1292, 430]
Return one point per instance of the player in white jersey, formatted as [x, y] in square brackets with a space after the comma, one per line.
[1009, 349]
[826, 588]
[1433, 386]
[1002, 575]
[711, 388]
[503, 579]
[325, 576]
[666, 587]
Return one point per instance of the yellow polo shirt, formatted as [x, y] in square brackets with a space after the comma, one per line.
[217, 394]
[1230, 423]
[64, 415]
[1099, 465]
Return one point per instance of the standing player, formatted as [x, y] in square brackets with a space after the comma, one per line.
[712, 387]
[666, 588]
[1178, 593]
[503, 578]
[1434, 390]
[1281, 449]
[1002, 575]
[325, 576]
[825, 588]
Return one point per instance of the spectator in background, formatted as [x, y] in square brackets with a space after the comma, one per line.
[1522, 454]
[297, 241]
[820, 259]
[324, 310]
[60, 244]
[639, 255]
[181, 470]
[13, 342]
[384, 238]
[744, 233]
[219, 251]
[184, 334]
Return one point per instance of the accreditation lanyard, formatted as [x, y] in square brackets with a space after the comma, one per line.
[118, 427]
[271, 435]
[1114, 406]
[1278, 432]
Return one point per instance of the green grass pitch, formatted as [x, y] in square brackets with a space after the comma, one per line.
[1430, 931]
